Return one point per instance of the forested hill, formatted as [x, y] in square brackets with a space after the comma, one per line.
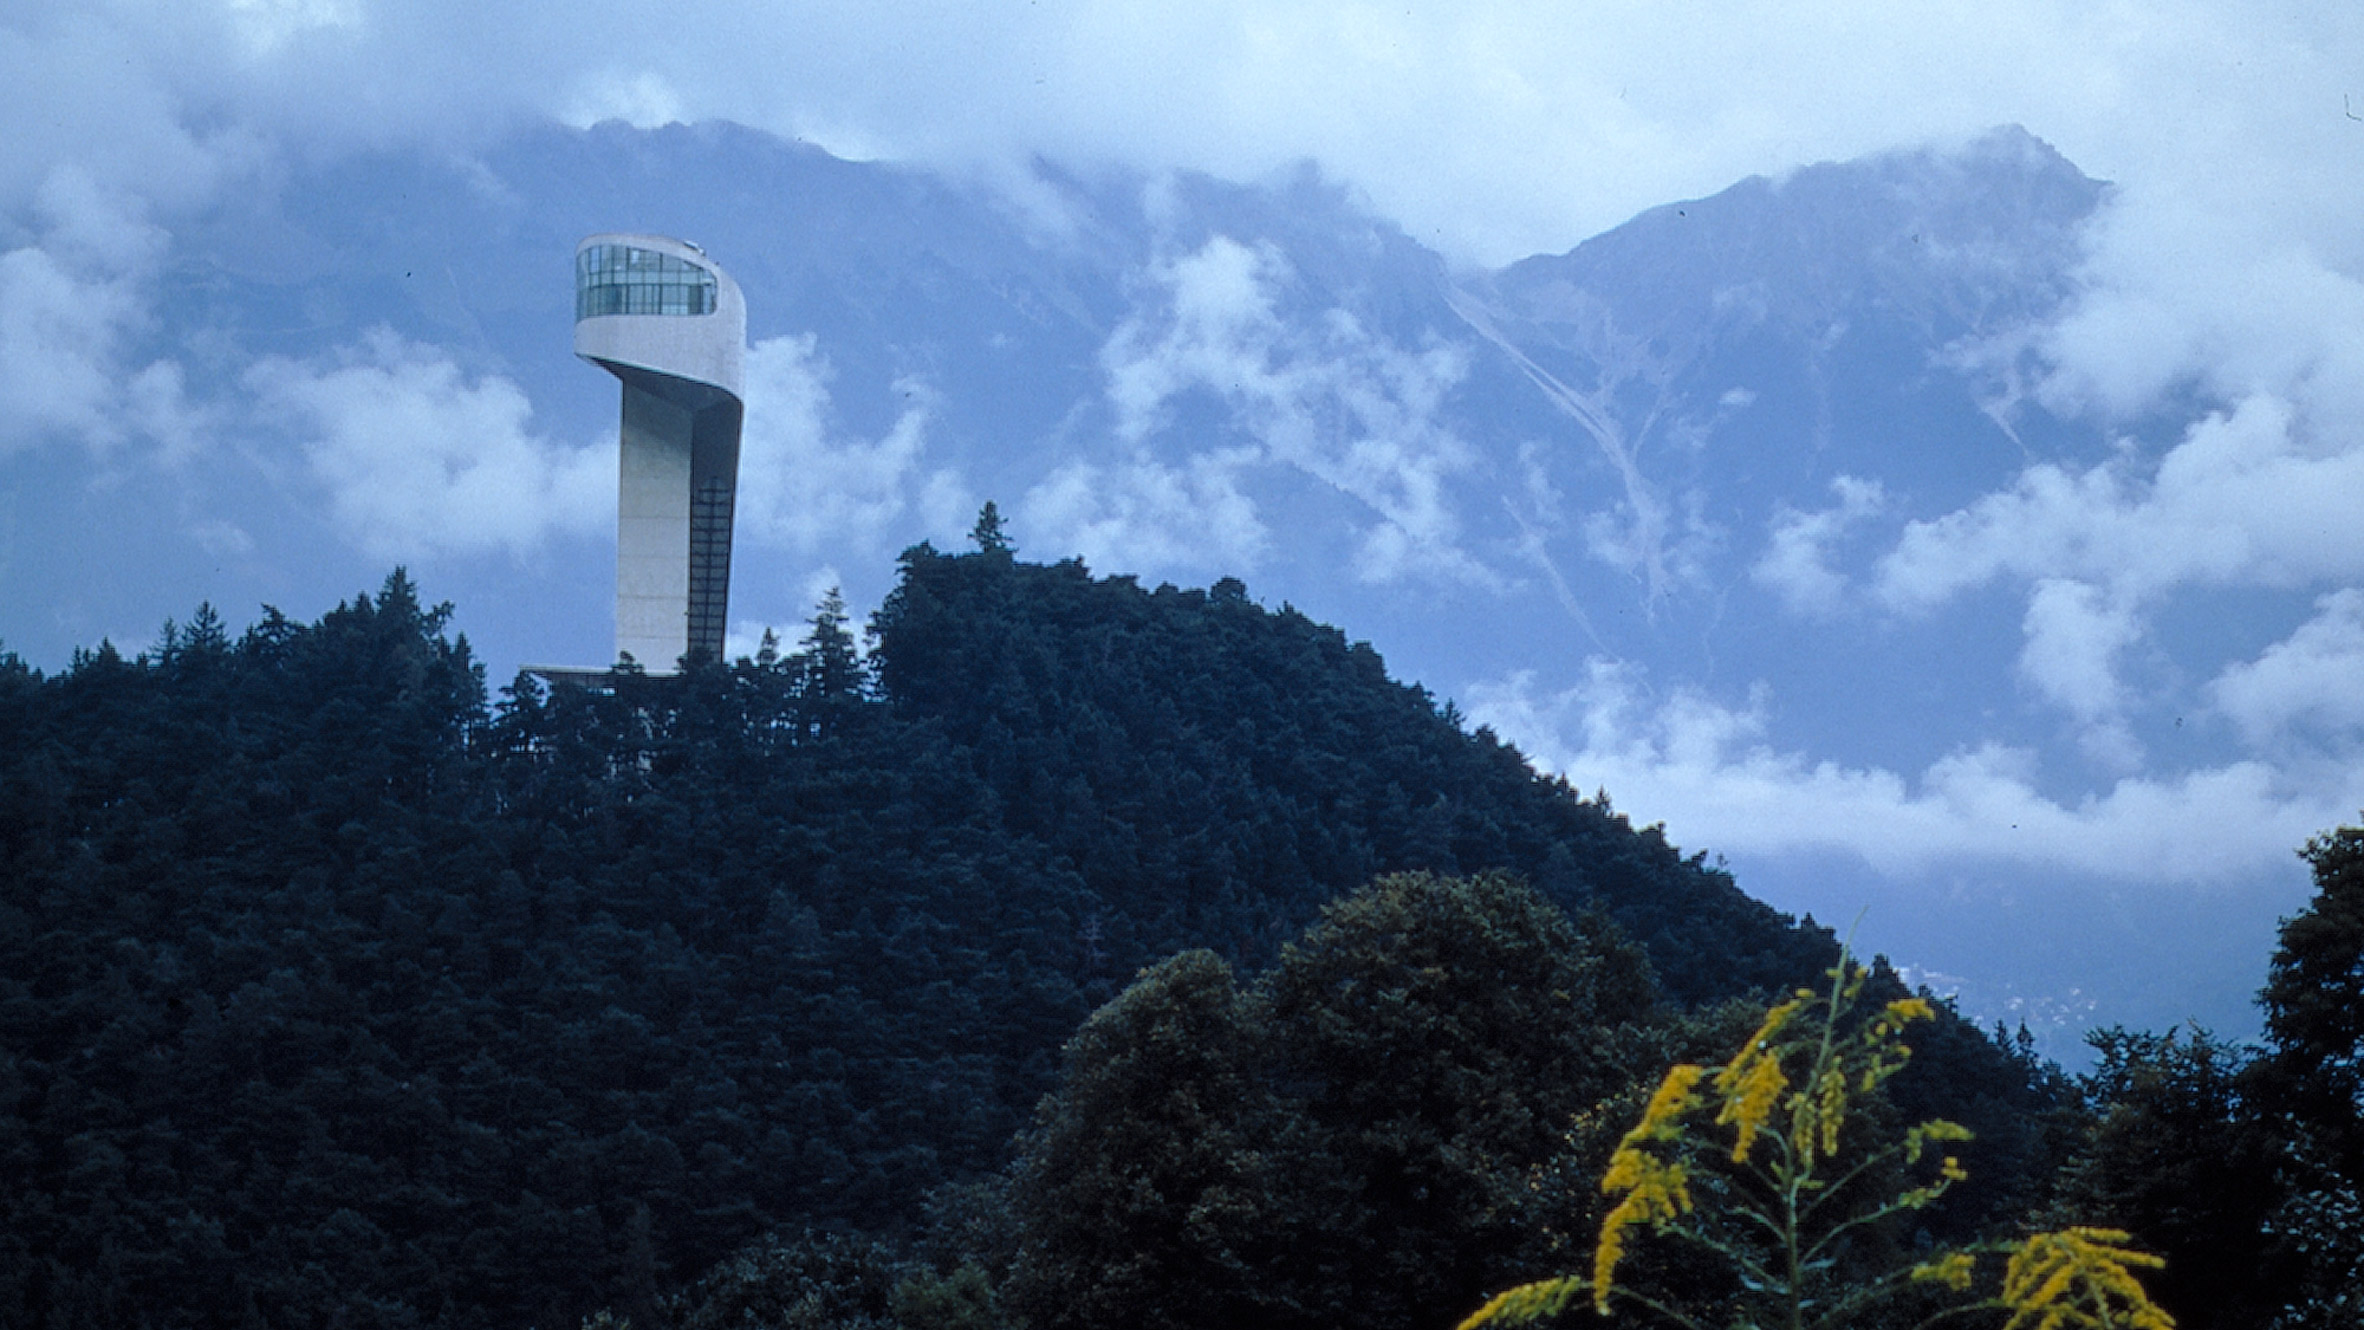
[1212, 771]
[328, 986]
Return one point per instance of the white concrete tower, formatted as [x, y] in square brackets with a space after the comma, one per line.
[659, 315]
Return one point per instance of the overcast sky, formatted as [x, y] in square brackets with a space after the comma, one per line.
[2222, 310]
[2235, 132]
[2228, 260]
[1492, 130]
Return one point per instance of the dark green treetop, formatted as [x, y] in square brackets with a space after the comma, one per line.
[988, 534]
[1347, 1142]
[2314, 1004]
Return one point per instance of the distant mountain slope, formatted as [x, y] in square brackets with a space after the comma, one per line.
[1756, 344]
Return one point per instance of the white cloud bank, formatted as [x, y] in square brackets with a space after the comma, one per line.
[73, 306]
[2312, 680]
[2257, 496]
[1709, 770]
[1146, 516]
[1492, 129]
[420, 460]
[2261, 496]
[1498, 127]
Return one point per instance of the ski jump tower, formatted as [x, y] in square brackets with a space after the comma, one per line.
[659, 315]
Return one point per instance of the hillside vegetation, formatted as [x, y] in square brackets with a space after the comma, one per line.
[333, 991]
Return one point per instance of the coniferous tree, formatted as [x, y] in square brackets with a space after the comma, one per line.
[2312, 1082]
[832, 680]
[988, 534]
[2314, 1007]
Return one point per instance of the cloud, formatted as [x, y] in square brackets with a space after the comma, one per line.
[2253, 497]
[1663, 541]
[2311, 678]
[2231, 260]
[643, 101]
[1709, 769]
[1496, 128]
[1339, 403]
[72, 308]
[420, 460]
[1796, 562]
[222, 540]
[59, 337]
[2074, 636]
[1146, 517]
[807, 488]
[91, 90]
[267, 26]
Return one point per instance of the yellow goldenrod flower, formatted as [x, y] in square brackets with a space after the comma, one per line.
[1751, 1086]
[1654, 1189]
[1762, 1040]
[1904, 1011]
[2075, 1279]
[1605, 1258]
[2080, 1277]
[1611, 1251]
[1953, 1270]
[1752, 1082]
[1655, 1192]
[1935, 1129]
[1830, 1107]
[1527, 1302]
[1676, 1095]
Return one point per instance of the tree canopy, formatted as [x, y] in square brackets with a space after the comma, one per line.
[333, 988]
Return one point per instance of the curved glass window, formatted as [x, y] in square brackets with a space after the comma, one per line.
[620, 279]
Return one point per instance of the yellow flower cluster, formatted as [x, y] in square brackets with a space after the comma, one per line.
[1751, 1084]
[1900, 1013]
[1527, 1302]
[1949, 1169]
[1935, 1129]
[1662, 1119]
[1952, 1270]
[1884, 1048]
[2076, 1279]
[1655, 1190]
[1818, 1119]
[1751, 1087]
[2080, 1277]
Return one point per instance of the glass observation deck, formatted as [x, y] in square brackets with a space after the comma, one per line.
[623, 279]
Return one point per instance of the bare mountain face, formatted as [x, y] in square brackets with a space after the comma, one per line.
[1627, 503]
